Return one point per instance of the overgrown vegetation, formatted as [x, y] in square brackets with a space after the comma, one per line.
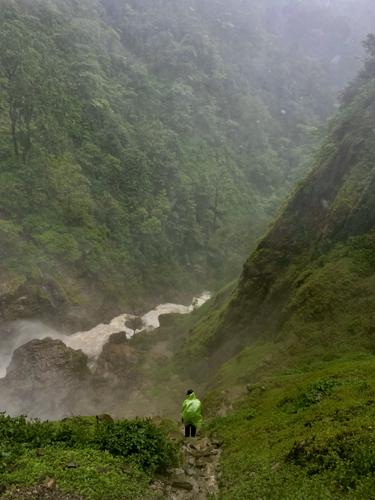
[97, 459]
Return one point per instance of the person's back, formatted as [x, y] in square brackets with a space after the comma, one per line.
[191, 414]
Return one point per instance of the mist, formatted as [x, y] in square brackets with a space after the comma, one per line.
[73, 363]
[19, 333]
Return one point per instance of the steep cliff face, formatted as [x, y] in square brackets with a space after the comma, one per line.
[116, 375]
[300, 330]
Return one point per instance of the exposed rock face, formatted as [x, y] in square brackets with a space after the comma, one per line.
[118, 359]
[45, 379]
[22, 300]
[116, 374]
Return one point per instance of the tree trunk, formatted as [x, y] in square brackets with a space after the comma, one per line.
[13, 127]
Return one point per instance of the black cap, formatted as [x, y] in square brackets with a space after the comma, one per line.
[189, 391]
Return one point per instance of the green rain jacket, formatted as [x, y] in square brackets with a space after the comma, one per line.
[192, 411]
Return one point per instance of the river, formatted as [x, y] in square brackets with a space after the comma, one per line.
[91, 342]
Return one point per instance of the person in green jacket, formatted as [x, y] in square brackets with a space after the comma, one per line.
[191, 414]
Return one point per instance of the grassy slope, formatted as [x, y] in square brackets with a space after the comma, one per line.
[164, 367]
[303, 434]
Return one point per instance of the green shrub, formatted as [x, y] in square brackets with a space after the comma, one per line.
[311, 396]
[139, 439]
[130, 451]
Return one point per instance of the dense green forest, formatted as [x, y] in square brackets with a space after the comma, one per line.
[146, 145]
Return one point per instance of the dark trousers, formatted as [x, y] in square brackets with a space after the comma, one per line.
[190, 430]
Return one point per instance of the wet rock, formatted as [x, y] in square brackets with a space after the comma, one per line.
[24, 298]
[177, 475]
[201, 463]
[198, 479]
[200, 453]
[116, 370]
[203, 443]
[43, 377]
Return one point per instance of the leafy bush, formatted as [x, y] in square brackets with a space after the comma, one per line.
[312, 395]
[315, 393]
[348, 457]
[138, 439]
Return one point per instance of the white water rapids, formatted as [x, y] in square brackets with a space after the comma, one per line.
[91, 342]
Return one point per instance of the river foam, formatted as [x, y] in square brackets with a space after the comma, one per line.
[92, 341]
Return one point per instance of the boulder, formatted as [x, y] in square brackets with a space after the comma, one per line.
[45, 379]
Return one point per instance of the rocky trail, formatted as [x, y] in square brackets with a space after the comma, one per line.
[197, 477]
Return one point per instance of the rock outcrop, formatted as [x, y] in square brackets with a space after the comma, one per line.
[116, 374]
[118, 359]
[197, 478]
[45, 379]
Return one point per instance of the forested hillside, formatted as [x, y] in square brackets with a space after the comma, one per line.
[145, 145]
